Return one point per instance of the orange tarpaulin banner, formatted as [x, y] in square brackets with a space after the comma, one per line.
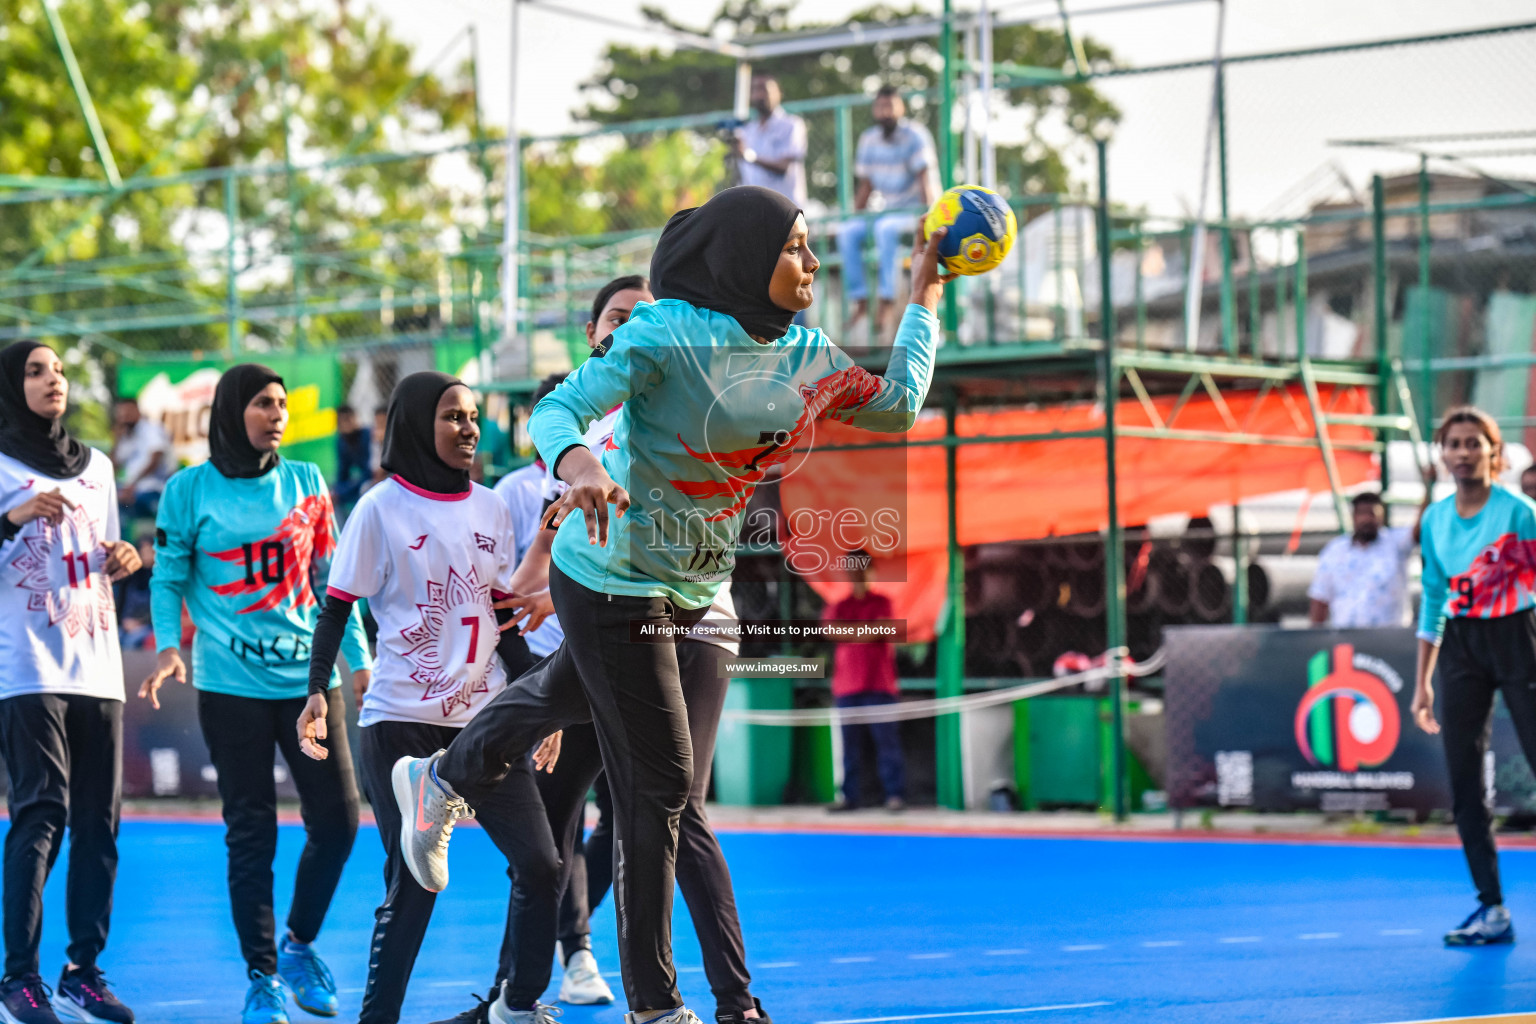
[837, 500]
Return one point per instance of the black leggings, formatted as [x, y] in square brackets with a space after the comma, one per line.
[64, 755]
[631, 693]
[1479, 657]
[513, 818]
[702, 873]
[241, 733]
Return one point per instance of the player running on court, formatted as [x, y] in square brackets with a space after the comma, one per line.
[696, 434]
[430, 550]
[702, 872]
[242, 539]
[1478, 624]
[61, 695]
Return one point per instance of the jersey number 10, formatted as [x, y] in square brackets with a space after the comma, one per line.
[274, 561]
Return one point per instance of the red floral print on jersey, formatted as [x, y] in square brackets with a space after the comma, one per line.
[282, 560]
[1494, 584]
[836, 396]
[62, 568]
[458, 609]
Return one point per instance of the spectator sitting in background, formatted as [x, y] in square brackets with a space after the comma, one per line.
[771, 149]
[1362, 579]
[376, 471]
[864, 675]
[895, 160]
[354, 456]
[1528, 482]
[141, 451]
[133, 600]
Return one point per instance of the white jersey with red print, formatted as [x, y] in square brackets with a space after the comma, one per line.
[58, 622]
[429, 565]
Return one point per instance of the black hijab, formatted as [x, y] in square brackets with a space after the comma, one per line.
[229, 444]
[721, 256]
[36, 441]
[410, 444]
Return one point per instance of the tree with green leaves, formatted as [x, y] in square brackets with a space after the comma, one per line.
[183, 85]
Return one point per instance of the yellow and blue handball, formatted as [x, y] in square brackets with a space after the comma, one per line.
[981, 229]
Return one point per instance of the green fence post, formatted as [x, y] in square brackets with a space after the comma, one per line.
[1240, 574]
[1379, 289]
[1426, 374]
[1114, 553]
[948, 766]
[844, 159]
[947, 147]
[231, 290]
[1255, 303]
[1228, 300]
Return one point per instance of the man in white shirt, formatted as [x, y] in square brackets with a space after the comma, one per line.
[1362, 579]
[770, 149]
[142, 454]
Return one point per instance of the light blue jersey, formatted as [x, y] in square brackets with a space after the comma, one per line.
[707, 412]
[243, 553]
[1482, 567]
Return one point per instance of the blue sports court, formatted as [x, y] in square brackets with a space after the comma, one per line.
[859, 928]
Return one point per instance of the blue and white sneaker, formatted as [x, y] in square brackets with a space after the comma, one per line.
[1484, 927]
[681, 1015]
[266, 1001]
[307, 977]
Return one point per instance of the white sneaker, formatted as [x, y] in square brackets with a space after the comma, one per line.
[681, 1015]
[500, 1013]
[583, 984]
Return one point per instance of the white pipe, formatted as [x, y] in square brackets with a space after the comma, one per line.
[970, 107]
[742, 108]
[517, 351]
[1195, 286]
[988, 153]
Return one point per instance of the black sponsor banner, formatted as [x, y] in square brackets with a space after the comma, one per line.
[1311, 719]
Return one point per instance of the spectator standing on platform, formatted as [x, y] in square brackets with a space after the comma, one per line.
[864, 675]
[770, 149]
[141, 451]
[354, 458]
[1362, 578]
[896, 161]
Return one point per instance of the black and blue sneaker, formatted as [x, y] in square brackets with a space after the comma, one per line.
[85, 997]
[24, 999]
[739, 1018]
[307, 978]
[266, 1001]
[1485, 926]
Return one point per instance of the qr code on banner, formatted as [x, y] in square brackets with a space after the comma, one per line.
[1234, 778]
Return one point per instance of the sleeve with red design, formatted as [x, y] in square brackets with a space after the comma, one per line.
[635, 363]
[361, 564]
[887, 403]
[175, 544]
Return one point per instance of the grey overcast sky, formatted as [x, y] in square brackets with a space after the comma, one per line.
[1280, 114]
